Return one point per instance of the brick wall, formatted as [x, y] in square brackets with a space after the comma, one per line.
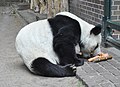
[116, 16]
[116, 10]
[92, 10]
[89, 10]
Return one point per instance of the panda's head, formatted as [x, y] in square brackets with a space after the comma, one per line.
[91, 42]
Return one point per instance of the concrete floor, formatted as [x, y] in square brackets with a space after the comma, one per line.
[13, 72]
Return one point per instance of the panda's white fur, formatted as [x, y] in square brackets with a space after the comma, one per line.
[36, 40]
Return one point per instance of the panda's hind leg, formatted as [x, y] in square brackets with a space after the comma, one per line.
[42, 66]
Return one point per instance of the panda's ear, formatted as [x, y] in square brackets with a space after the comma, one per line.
[96, 30]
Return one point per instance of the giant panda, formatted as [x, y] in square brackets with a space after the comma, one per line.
[50, 47]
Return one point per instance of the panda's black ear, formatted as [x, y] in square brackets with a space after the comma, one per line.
[96, 30]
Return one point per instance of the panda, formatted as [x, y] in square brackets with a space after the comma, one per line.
[50, 47]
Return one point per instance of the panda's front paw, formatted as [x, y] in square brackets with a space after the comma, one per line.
[71, 69]
[79, 62]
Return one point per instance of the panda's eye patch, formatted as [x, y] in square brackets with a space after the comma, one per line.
[96, 47]
[81, 45]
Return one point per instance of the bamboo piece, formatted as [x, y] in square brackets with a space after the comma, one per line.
[100, 57]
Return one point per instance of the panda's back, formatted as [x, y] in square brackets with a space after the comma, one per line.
[35, 40]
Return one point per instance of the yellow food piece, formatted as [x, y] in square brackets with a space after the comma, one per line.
[100, 57]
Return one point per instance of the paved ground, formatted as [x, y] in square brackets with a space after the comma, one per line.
[13, 72]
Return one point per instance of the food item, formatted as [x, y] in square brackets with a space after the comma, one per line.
[80, 53]
[100, 57]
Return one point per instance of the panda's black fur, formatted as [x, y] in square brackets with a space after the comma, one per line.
[66, 33]
[66, 36]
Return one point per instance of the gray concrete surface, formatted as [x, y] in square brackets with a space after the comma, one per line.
[13, 72]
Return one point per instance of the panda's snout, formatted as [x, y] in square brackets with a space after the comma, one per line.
[86, 55]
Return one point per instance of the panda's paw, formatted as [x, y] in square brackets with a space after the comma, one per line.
[79, 62]
[71, 69]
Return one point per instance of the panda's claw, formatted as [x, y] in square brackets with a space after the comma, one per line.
[74, 71]
[73, 67]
